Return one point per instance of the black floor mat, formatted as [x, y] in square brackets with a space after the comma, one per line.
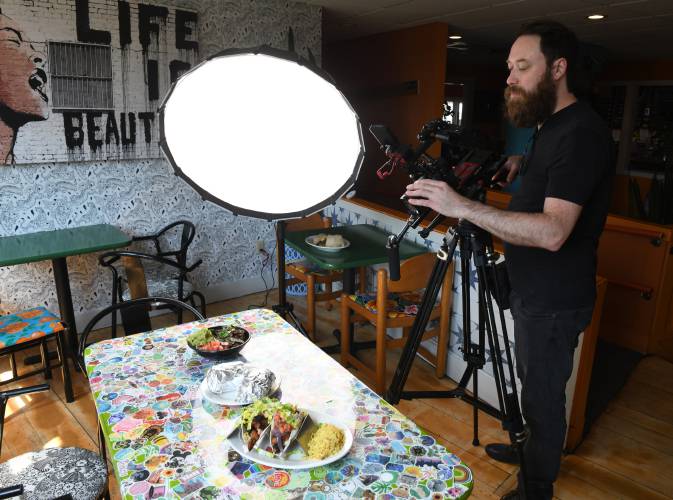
[612, 367]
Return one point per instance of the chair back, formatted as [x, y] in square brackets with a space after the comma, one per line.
[414, 274]
[172, 242]
[315, 221]
[140, 309]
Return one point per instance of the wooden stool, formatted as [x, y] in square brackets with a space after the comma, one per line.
[30, 328]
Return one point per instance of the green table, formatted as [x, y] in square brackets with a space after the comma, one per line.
[56, 246]
[367, 247]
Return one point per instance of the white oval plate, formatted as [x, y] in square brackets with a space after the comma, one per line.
[296, 459]
[228, 398]
[309, 241]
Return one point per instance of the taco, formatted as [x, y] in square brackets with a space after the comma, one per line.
[254, 420]
[257, 417]
[285, 425]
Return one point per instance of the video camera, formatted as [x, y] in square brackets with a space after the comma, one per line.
[465, 165]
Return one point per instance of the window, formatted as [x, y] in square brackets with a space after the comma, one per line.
[81, 76]
[453, 112]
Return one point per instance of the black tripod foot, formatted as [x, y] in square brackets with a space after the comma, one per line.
[502, 452]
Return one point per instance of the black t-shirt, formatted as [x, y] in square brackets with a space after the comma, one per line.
[571, 158]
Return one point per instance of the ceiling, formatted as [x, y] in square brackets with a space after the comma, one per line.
[632, 29]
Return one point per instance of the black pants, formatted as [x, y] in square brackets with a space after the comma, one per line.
[545, 344]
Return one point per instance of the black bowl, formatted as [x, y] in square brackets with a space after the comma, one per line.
[227, 353]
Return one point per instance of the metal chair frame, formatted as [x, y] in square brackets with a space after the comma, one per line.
[186, 238]
[108, 259]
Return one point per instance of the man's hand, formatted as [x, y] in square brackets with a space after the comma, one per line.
[548, 229]
[509, 170]
[438, 196]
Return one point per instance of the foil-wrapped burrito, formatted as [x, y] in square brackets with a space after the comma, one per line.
[240, 381]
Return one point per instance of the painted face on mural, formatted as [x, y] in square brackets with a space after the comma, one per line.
[23, 80]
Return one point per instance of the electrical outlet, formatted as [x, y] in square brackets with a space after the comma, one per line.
[260, 245]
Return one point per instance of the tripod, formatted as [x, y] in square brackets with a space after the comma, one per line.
[475, 244]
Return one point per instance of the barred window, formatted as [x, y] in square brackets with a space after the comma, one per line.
[81, 76]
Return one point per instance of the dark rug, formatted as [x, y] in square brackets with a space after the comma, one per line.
[612, 367]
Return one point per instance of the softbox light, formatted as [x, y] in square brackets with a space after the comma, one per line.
[262, 132]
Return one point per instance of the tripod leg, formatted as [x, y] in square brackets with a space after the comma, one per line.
[444, 257]
[475, 410]
[512, 420]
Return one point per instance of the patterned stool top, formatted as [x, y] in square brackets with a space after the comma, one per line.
[55, 472]
[28, 325]
[398, 304]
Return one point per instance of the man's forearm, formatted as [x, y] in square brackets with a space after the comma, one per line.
[518, 228]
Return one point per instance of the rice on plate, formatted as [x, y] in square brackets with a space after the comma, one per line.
[326, 441]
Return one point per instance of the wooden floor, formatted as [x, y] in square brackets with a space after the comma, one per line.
[628, 453]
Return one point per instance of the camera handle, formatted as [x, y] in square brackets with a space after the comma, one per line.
[393, 243]
[425, 232]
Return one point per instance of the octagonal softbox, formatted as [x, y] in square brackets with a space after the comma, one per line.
[262, 132]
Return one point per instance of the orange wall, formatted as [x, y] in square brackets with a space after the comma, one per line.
[384, 61]
[643, 70]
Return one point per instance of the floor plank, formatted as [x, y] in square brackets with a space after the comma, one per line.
[647, 399]
[628, 457]
[607, 480]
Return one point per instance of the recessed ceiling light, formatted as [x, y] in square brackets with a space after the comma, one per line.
[596, 17]
[455, 37]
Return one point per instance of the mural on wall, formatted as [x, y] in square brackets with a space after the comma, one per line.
[106, 82]
[23, 85]
[139, 196]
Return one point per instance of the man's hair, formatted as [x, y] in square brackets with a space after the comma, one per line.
[556, 41]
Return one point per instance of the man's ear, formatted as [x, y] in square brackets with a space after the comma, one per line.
[559, 68]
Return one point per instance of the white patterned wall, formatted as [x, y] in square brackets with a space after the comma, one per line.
[142, 196]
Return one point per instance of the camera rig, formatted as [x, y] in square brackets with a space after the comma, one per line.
[465, 165]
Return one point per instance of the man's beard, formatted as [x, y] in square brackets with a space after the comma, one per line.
[531, 108]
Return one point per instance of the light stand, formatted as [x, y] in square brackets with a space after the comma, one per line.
[284, 308]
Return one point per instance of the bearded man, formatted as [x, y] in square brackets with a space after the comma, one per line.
[550, 230]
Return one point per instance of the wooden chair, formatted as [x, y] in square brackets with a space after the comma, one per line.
[303, 271]
[383, 311]
[31, 328]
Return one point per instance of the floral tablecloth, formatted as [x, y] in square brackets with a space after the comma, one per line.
[166, 441]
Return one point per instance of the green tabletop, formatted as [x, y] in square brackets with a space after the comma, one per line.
[367, 247]
[46, 245]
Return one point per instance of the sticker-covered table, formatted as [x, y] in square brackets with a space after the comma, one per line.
[166, 441]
